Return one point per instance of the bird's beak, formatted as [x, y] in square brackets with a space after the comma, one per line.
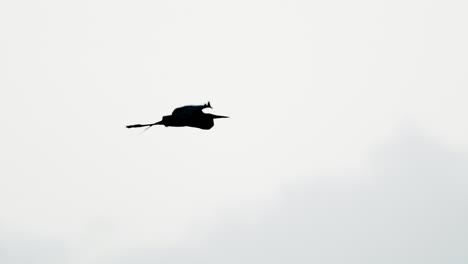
[217, 116]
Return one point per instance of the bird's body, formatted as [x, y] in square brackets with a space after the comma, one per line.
[190, 116]
[190, 109]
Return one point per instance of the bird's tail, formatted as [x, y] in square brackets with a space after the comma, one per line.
[143, 125]
[138, 125]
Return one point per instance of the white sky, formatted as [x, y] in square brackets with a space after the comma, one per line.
[327, 97]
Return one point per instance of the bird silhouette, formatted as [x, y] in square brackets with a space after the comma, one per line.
[190, 116]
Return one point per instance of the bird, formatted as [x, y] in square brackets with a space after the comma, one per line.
[186, 116]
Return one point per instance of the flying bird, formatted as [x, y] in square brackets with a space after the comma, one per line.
[190, 115]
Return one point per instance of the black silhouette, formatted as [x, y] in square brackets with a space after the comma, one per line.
[190, 115]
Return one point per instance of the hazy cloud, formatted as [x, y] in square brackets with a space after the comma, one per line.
[310, 86]
[28, 249]
[410, 206]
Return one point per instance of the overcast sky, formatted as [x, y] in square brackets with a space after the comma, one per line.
[347, 142]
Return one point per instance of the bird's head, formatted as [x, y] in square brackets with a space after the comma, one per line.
[217, 116]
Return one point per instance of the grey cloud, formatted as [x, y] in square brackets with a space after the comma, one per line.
[29, 249]
[410, 206]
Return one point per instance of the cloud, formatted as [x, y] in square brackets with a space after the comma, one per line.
[27, 249]
[409, 206]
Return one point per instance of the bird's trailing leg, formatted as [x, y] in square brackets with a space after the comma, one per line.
[146, 129]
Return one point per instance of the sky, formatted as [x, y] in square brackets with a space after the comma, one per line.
[346, 142]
